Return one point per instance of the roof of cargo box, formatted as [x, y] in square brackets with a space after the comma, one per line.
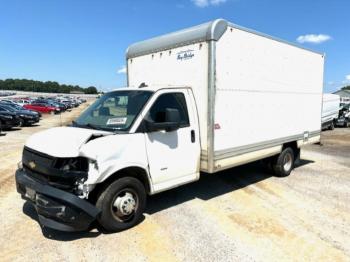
[209, 31]
[212, 30]
[152, 88]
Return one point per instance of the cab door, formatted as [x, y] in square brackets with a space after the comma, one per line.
[173, 156]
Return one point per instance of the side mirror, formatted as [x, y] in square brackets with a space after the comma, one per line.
[172, 122]
[172, 115]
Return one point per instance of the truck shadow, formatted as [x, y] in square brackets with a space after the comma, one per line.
[213, 185]
[208, 187]
[49, 233]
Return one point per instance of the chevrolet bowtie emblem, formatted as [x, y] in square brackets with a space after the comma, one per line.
[32, 164]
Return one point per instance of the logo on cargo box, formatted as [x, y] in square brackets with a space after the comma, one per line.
[185, 55]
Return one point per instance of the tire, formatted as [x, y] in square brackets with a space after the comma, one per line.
[284, 163]
[52, 113]
[331, 127]
[116, 196]
[21, 123]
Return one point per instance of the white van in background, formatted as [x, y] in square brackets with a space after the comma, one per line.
[330, 110]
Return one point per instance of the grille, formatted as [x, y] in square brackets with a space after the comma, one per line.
[38, 170]
[40, 159]
[65, 183]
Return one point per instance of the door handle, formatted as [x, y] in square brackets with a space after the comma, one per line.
[193, 136]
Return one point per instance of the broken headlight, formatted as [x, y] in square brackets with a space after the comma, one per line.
[72, 164]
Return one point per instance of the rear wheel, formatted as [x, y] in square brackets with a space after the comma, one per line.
[331, 127]
[283, 164]
[122, 204]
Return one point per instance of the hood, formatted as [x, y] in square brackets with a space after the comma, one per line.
[34, 112]
[62, 141]
[7, 113]
[26, 112]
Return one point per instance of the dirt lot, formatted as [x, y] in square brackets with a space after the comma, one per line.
[240, 214]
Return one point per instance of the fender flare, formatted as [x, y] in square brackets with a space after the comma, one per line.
[131, 165]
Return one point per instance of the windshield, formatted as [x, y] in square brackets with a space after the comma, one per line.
[114, 111]
[14, 107]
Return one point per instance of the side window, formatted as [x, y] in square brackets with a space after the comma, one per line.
[170, 100]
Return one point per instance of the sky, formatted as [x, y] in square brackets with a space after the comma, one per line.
[83, 42]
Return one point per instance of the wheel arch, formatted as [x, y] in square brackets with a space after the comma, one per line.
[294, 146]
[130, 171]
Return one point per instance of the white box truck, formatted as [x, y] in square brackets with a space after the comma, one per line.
[330, 110]
[203, 99]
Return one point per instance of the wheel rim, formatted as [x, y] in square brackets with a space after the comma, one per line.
[124, 205]
[287, 162]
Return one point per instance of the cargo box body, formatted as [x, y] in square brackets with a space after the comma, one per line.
[253, 92]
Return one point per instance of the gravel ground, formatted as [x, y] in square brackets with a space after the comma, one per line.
[240, 214]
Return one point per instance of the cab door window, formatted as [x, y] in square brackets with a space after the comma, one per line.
[169, 100]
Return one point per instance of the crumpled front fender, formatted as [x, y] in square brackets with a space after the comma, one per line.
[112, 153]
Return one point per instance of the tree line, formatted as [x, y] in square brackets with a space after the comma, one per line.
[47, 87]
[346, 88]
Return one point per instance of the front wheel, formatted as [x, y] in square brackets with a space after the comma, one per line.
[284, 163]
[21, 123]
[122, 204]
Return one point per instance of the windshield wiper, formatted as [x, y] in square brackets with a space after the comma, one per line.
[91, 126]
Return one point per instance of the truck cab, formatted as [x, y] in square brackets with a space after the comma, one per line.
[131, 142]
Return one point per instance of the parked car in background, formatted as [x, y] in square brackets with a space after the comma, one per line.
[51, 102]
[22, 102]
[8, 120]
[18, 107]
[344, 116]
[7, 101]
[26, 117]
[7, 93]
[82, 100]
[43, 108]
[66, 102]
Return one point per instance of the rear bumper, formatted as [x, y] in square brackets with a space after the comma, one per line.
[56, 208]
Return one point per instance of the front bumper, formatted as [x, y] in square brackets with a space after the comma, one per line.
[56, 208]
[10, 123]
[30, 121]
[341, 122]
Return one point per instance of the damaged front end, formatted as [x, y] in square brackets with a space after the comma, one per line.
[55, 186]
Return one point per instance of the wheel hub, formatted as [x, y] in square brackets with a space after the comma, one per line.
[287, 162]
[125, 204]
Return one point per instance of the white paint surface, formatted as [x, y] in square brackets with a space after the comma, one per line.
[265, 90]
